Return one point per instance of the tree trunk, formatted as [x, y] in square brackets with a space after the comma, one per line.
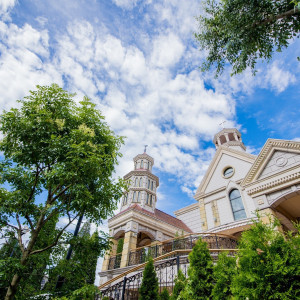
[12, 289]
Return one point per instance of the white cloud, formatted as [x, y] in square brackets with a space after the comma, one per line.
[167, 50]
[278, 78]
[126, 4]
[5, 8]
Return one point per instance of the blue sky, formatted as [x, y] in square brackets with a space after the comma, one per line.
[139, 62]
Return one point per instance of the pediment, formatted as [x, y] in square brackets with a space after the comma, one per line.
[276, 156]
[224, 156]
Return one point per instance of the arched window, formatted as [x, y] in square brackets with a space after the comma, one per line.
[134, 197]
[148, 165]
[147, 201]
[142, 164]
[151, 200]
[152, 186]
[148, 184]
[139, 197]
[237, 205]
[136, 181]
[141, 181]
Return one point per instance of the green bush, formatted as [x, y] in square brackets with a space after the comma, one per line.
[223, 273]
[268, 264]
[149, 286]
[164, 295]
[180, 282]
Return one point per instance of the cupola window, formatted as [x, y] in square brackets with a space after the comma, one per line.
[141, 182]
[142, 164]
[136, 181]
[237, 206]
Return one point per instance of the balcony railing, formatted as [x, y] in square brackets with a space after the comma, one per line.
[140, 255]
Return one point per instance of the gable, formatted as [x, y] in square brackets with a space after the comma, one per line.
[278, 162]
[276, 156]
[240, 161]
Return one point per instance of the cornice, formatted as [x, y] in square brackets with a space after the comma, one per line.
[270, 146]
[142, 173]
[186, 209]
[274, 183]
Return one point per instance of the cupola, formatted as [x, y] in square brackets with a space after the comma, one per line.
[229, 137]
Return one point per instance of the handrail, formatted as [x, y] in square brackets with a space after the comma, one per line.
[156, 259]
[179, 238]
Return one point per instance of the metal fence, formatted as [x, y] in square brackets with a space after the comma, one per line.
[213, 242]
[128, 287]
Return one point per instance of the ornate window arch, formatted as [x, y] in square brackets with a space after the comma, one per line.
[237, 205]
[141, 182]
[142, 164]
[136, 181]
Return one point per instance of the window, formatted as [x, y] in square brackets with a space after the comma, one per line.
[148, 184]
[228, 172]
[148, 165]
[237, 205]
[151, 200]
[135, 165]
[134, 197]
[141, 181]
[142, 164]
[147, 201]
[139, 197]
[125, 199]
[136, 181]
[152, 186]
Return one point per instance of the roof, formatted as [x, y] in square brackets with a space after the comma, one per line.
[158, 214]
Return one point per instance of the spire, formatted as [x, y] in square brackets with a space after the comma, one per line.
[145, 150]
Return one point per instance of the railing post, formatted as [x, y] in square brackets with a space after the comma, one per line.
[177, 262]
[217, 241]
[124, 288]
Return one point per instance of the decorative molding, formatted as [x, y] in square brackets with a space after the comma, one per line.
[274, 183]
[144, 156]
[142, 173]
[270, 146]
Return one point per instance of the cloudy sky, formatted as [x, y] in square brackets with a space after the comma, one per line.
[139, 62]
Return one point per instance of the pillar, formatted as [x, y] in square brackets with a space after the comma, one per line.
[267, 215]
[215, 211]
[109, 253]
[203, 215]
[130, 241]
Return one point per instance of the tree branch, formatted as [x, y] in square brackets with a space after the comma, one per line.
[286, 14]
[60, 193]
[19, 231]
[56, 240]
[30, 222]
[34, 184]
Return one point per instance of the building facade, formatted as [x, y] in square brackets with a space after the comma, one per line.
[234, 188]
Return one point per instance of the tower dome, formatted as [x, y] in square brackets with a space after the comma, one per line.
[229, 137]
[142, 184]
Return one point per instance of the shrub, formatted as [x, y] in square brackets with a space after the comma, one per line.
[164, 295]
[149, 286]
[180, 282]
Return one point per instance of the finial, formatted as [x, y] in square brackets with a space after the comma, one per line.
[145, 150]
[222, 124]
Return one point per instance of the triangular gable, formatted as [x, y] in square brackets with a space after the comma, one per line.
[243, 156]
[266, 155]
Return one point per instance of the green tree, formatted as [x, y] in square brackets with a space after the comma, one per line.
[223, 273]
[241, 32]
[200, 281]
[149, 286]
[80, 269]
[179, 285]
[268, 263]
[164, 295]
[59, 158]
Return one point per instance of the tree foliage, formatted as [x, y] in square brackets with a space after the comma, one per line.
[200, 281]
[164, 295]
[59, 158]
[179, 285]
[223, 272]
[149, 286]
[241, 32]
[268, 264]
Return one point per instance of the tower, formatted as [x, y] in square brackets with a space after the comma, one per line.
[229, 137]
[142, 184]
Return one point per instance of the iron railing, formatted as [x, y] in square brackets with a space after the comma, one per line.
[215, 241]
[114, 262]
[128, 287]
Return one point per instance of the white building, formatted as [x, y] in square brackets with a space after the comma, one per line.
[235, 186]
